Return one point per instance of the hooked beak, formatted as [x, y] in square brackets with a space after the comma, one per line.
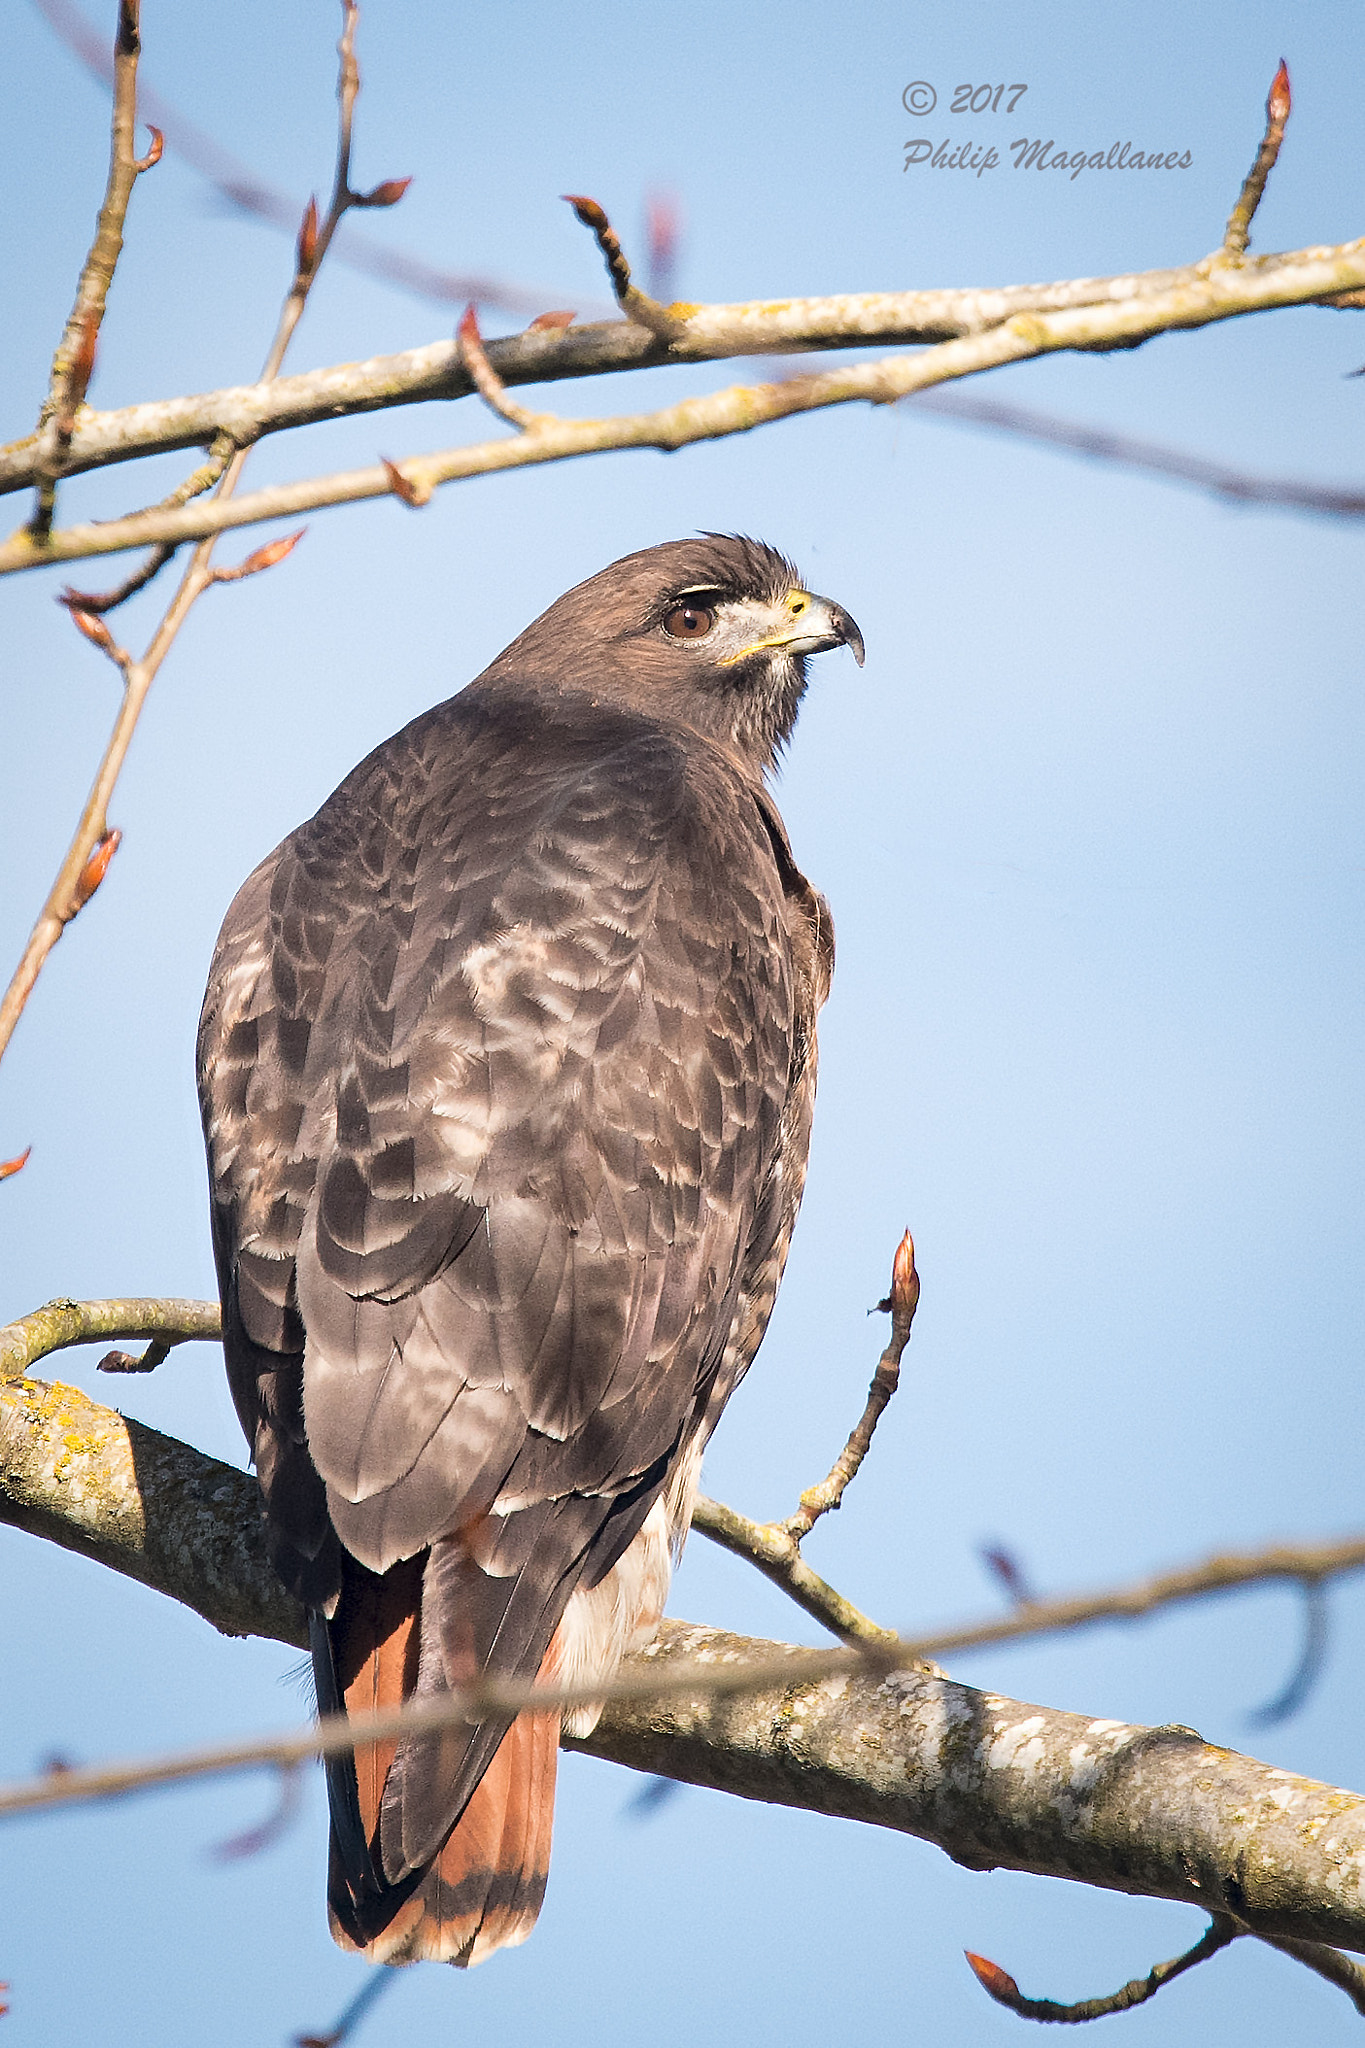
[828, 625]
[811, 626]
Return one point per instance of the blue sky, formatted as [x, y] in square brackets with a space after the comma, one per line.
[1089, 822]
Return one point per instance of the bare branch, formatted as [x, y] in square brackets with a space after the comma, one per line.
[251, 1841]
[1238, 486]
[96, 603]
[60, 1324]
[1296, 1564]
[1307, 1669]
[775, 1553]
[901, 1303]
[373, 1987]
[246, 191]
[75, 357]
[713, 332]
[1348, 1976]
[92, 830]
[1210, 292]
[666, 323]
[82, 1476]
[1238, 232]
[489, 385]
[1003, 1989]
[775, 1547]
[1151, 1811]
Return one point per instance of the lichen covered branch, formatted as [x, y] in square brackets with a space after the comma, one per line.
[992, 1782]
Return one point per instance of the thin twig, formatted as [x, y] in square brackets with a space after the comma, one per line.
[98, 602]
[993, 1781]
[1343, 1971]
[375, 1985]
[340, 1734]
[245, 190]
[768, 1547]
[487, 382]
[75, 356]
[60, 1324]
[64, 900]
[1236, 486]
[662, 321]
[1307, 1669]
[901, 1302]
[1003, 1989]
[1277, 105]
[265, 1833]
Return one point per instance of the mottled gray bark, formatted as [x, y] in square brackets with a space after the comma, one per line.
[993, 1782]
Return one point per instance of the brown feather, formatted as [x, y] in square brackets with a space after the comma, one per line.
[484, 1890]
[376, 1639]
[507, 1063]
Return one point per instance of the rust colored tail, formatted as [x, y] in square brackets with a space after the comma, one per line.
[484, 1889]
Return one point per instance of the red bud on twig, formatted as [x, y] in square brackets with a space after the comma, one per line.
[387, 194]
[83, 362]
[264, 558]
[588, 211]
[403, 487]
[903, 1299]
[904, 1278]
[545, 321]
[1278, 105]
[153, 156]
[9, 1167]
[93, 628]
[308, 239]
[95, 870]
[992, 1978]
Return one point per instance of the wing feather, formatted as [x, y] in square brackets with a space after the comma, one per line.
[495, 1061]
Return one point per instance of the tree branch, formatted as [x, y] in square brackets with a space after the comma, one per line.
[1234, 486]
[994, 1783]
[1209, 292]
[1000, 1986]
[68, 893]
[75, 357]
[60, 1324]
[244, 189]
[710, 333]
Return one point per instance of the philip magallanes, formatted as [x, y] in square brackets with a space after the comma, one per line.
[1041, 156]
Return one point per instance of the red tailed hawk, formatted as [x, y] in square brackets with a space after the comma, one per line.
[507, 1063]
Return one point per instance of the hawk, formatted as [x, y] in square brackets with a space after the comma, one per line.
[507, 1063]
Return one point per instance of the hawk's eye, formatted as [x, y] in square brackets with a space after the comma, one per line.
[689, 622]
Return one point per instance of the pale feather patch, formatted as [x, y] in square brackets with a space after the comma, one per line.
[603, 1622]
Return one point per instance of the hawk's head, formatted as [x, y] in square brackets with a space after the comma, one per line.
[713, 631]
